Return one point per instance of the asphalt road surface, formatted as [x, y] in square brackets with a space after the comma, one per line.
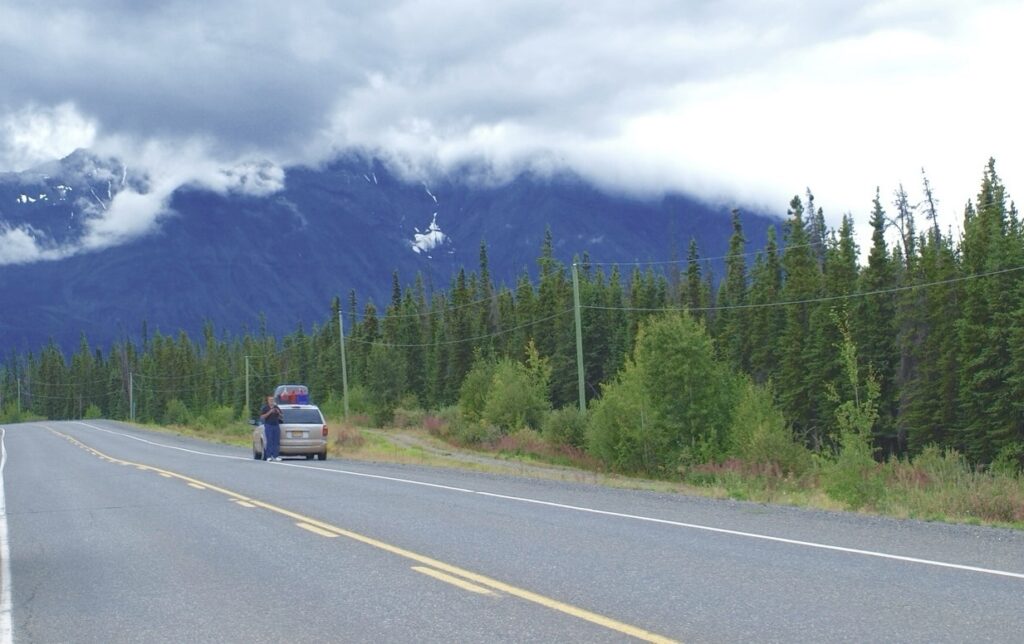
[114, 534]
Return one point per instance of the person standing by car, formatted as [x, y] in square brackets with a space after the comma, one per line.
[271, 415]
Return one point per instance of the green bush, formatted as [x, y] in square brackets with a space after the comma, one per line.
[404, 417]
[476, 386]
[1009, 461]
[565, 426]
[92, 411]
[470, 432]
[942, 467]
[620, 430]
[443, 422]
[759, 435]
[671, 404]
[358, 403]
[855, 478]
[11, 414]
[176, 413]
[216, 418]
[516, 399]
[385, 379]
[691, 393]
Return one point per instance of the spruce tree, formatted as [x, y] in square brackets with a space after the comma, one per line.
[991, 244]
[731, 330]
[766, 320]
[874, 328]
[802, 283]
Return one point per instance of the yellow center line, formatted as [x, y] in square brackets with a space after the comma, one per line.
[316, 530]
[197, 486]
[244, 504]
[509, 589]
[455, 581]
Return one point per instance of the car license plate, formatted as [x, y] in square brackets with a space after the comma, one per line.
[296, 434]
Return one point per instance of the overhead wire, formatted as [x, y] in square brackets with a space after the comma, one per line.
[665, 262]
[829, 298]
[469, 339]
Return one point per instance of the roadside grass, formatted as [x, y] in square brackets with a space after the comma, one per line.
[11, 415]
[935, 486]
[235, 433]
[942, 487]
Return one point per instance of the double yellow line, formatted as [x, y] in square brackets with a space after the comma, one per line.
[461, 577]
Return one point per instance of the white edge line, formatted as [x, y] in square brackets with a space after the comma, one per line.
[635, 517]
[754, 535]
[164, 445]
[281, 463]
[6, 626]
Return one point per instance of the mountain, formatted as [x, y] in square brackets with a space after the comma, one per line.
[228, 258]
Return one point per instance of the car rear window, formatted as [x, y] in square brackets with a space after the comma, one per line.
[302, 416]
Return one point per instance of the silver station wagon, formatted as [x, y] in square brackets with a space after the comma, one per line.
[303, 433]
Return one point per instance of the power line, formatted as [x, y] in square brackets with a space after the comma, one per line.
[392, 316]
[460, 340]
[830, 298]
[778, 250]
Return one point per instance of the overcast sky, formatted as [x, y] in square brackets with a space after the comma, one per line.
[745, 103]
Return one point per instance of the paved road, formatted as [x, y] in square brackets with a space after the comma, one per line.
[117, 534]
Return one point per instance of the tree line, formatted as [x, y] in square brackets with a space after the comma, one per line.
[937, 320]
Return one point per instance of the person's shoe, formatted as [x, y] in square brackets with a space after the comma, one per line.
[277, 458]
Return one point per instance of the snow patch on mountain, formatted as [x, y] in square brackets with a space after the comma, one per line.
[428, 240]
[429, 193]
[253, 178]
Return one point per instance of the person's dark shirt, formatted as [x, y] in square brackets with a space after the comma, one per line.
[272, 419]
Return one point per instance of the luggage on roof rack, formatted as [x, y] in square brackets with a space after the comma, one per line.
[292, 395]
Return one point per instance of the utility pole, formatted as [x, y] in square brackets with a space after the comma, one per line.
[248, 409]
[579, 337]
[344, 368]
[131, 396]
[19, 396]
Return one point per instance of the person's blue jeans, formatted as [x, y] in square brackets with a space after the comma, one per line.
[273, 447]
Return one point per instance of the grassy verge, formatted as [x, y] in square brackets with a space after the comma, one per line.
[934, 487]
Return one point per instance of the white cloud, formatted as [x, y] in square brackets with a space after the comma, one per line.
[741, 102]
[22, 244]
[33, 134]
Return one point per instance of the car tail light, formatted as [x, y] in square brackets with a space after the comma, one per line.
[324, 431]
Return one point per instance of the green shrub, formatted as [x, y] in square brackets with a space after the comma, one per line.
[176, 413]
[11, 414]
[474, 391]
[404, 417]
[516, 399]
[691, 393]
[941, 467]
[385, 379]
[358, 403]
[92, 411]
[216, 418]
[671, 404]
[855, 478]
[442, 423]
[469, 432]
[565, 426]
[621, 432]
[1009, 461]
[760, 436]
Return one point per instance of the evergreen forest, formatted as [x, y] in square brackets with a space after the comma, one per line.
[793, 347]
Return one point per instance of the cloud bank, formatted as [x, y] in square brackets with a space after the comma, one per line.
[744, 103]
